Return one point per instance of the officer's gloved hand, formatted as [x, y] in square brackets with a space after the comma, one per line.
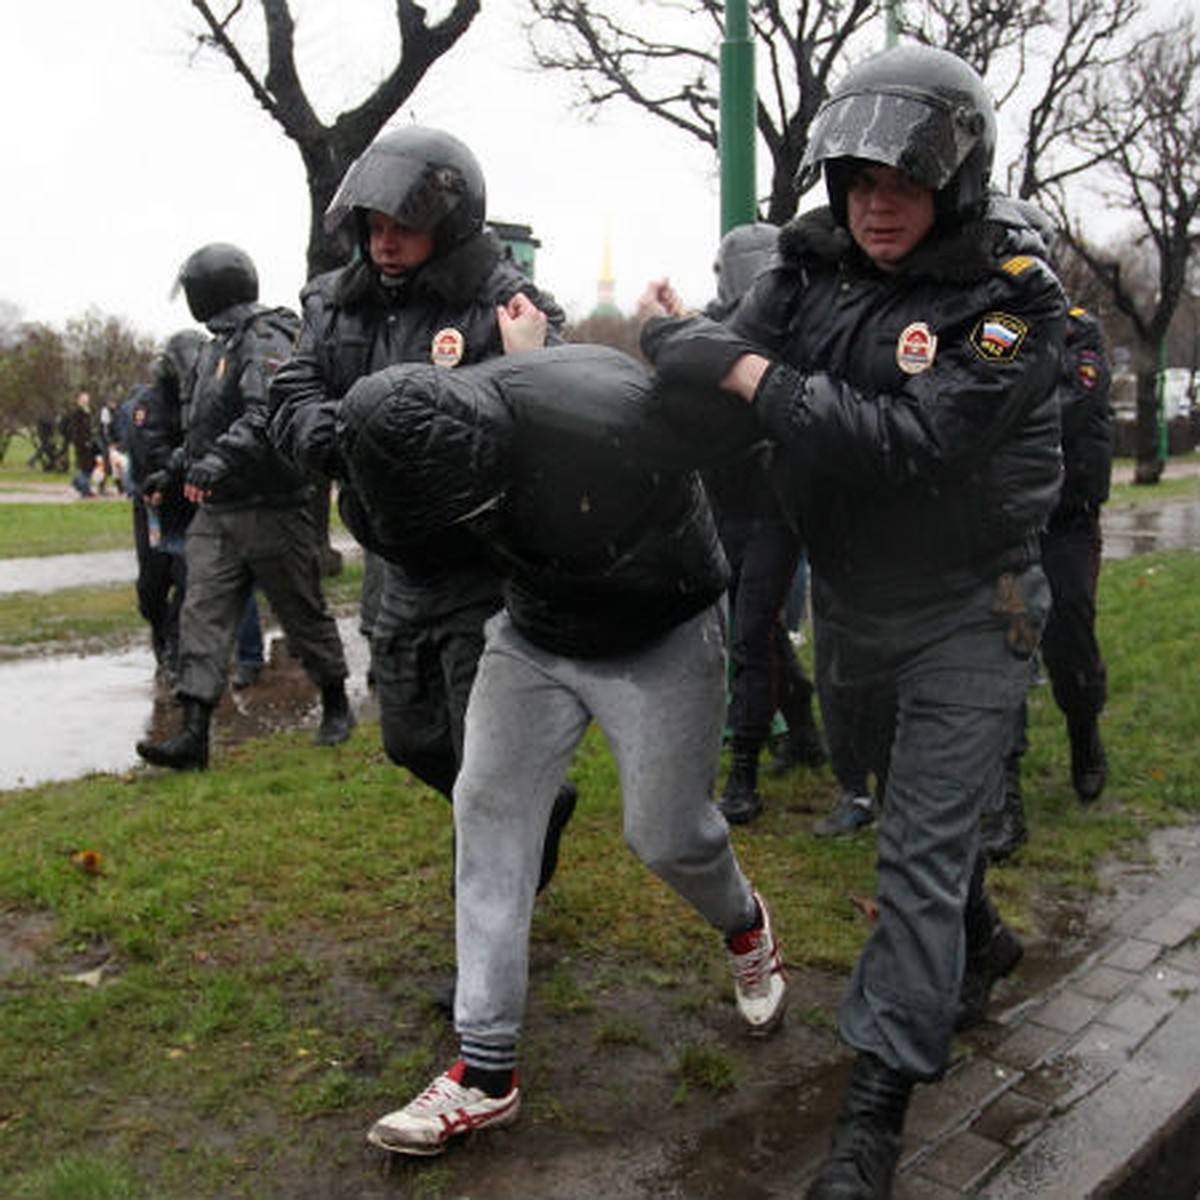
[692, 350]
[158, 483]
[205, 474]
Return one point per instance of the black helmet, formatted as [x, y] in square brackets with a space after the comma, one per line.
[175, 364]
[922, 110]
[1017, 212]
[742, 254]
[216, 277]
[424, 178]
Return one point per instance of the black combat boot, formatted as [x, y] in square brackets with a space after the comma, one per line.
[1089, 766]
[993, 951]
[188, 749]
[867, 1137]
[740, 803]
[336, 718]
[1004, 832]
[803, 745]
[560, 814]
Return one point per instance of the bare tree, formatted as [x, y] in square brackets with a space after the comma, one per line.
[34, 380]
[1148, 134]
[665, 59]
[327, 150]
[994, 36]
[106, 356]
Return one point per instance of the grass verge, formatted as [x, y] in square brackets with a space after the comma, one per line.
[210, 983]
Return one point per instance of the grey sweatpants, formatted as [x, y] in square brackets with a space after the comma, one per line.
[662, 711]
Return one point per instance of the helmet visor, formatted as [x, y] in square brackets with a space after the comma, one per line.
[417, 194]
[926, 137]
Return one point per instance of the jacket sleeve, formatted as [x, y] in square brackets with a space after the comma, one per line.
[244, 449]
[1083, 396]
[996, 362]
[303, 415]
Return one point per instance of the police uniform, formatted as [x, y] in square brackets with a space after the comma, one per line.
[256, 528]
[913, 409]
[427, 634]
[424, 610]
[1071, 547]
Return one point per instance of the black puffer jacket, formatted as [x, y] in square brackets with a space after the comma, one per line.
[559, 462]
[914, 412]
[224, 422]
[355, 326]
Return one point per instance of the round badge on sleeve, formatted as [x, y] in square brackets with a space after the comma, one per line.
[447, 347]
[915, 348]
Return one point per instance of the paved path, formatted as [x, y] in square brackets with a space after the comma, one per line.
[1083, 1086]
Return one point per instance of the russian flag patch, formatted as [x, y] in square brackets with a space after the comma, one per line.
[997, 337]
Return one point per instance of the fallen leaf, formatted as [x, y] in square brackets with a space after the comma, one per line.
[868, 906]
[89, 861]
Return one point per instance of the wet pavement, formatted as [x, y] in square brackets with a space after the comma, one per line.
[67, 715]
[1090, 1087]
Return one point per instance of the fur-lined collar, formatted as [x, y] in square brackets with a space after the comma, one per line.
[963, 255]
[454, 277]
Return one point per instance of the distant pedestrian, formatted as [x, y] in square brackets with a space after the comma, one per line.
[81, 436]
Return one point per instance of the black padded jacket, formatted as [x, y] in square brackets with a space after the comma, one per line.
[914, 412]
[353, 326]
[558, 460]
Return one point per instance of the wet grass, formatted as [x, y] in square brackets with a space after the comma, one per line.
[35, 530]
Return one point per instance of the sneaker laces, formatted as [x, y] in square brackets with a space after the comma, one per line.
[445, 1091]
[752, 957]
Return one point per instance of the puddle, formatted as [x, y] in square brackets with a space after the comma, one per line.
[69, 715]
[1142, 529]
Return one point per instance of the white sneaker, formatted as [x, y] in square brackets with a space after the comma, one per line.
[443, 1111]
[758, 976]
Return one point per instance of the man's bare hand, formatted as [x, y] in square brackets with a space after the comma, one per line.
[522, 324]
[659, 299]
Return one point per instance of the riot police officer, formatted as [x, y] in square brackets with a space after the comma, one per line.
[253, 526]
[152, 417]
[903, 355]
[424, 286]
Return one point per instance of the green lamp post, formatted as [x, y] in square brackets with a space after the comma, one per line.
[737, 128]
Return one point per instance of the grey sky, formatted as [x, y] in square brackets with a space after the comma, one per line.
[121, 156]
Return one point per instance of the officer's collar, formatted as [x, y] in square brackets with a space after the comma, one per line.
[963, 254]
[454, 277]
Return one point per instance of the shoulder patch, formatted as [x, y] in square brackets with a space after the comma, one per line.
[1017, 264]
[1087, 369]
[997, 337]
[1077, 311]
